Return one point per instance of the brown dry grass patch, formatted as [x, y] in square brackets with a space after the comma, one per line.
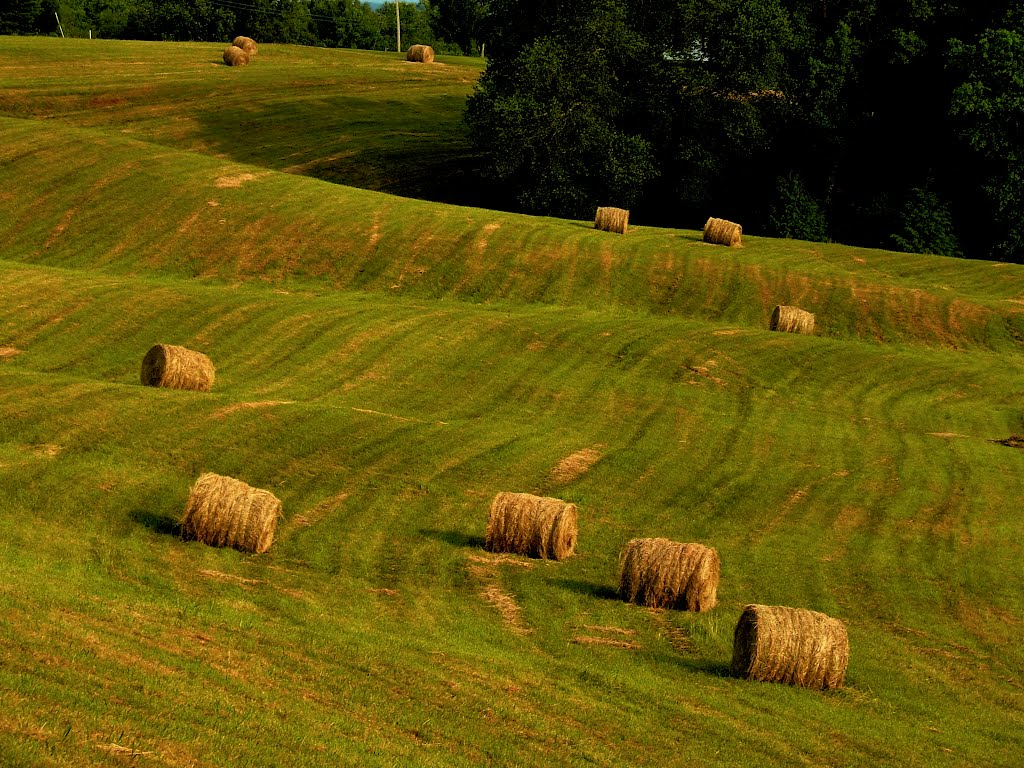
[317, 513]
[234, 181]
[610, 630]
[228, 577]
[606, 641]
[228, 410]
[507, 606]
[6, 353]
[575, 465]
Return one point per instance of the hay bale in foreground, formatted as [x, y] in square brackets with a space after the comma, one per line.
[612, 220]
[667, 574]
[167, 365]
[792, 320]
[536, 526]
[421, 53]
[225, 512]
[722, 232]
[235, 56]
[776, 644]
[247, 44]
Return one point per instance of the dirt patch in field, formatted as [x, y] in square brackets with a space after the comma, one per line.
[6, 353]
[575, 465]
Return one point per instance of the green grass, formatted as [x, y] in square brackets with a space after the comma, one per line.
[400, 362]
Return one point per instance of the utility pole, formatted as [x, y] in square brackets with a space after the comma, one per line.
[398, 21]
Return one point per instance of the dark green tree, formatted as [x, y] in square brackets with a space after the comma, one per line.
[19, 16]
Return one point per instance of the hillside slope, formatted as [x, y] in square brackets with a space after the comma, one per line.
[386, 366]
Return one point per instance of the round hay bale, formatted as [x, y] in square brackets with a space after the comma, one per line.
[421, 53]
[536, 526]
[247, 44]
[225, 512]
[612, 220]
[776, 644]
[235, 56]
[792, 320]
[722, 232]
[667, 574]
[167, 365]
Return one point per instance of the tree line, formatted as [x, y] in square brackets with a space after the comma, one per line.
[884, 123]
[891, 123]
[328, 23]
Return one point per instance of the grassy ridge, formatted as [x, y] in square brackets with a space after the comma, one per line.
[367, 119]
[870, 516]
[208, 219]
[386, 366]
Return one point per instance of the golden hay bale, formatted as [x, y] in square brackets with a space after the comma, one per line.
[224, 512]
[167, 365]
[722, 232]
[423, 53]
[776, 644]
[792, 320]
[612, 220]
[247, 44]
[667, 574]
[531, 525]
[235, 56]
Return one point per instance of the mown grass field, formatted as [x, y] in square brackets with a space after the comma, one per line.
[386, 366]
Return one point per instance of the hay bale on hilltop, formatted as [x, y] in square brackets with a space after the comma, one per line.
[174, 367]
[668, 574]
[421, 53]
[612, 220]
[225, 512]
[235, 56]
[792, 320]
[722, 232]
[776, 644]
[247, 44]
[536, 526]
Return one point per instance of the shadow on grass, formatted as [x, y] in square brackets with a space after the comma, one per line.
[455, 538]
[602, 591]
[714, 668]
[163, 524]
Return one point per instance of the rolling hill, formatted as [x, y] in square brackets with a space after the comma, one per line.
[386, 365]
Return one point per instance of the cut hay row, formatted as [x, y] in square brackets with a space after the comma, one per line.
[235, 56]
[421, 53]
[790, 645]
[792, 320]
[660, 573]
[174, 367]
[612, 220]
[722, 232]
[536, 526]
[225, 512]
[247, 44]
